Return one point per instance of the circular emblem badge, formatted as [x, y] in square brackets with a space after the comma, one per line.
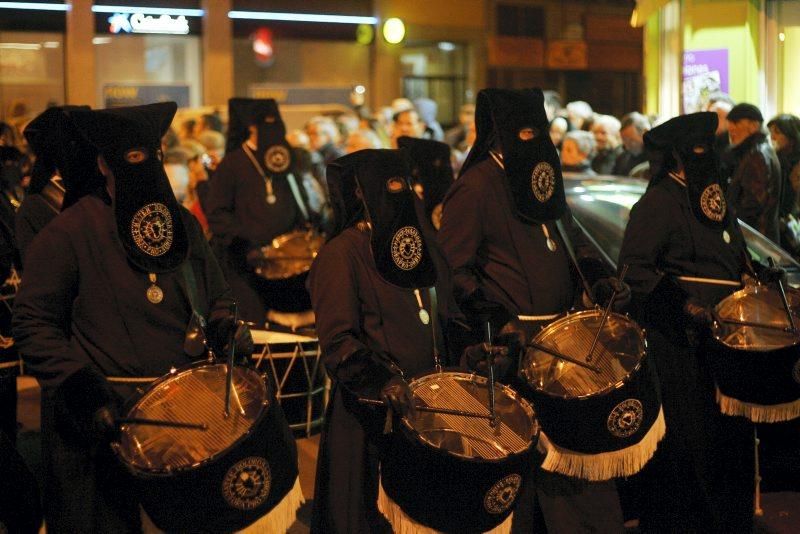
[407, 248]
[626, 418]
[712, 202]
[501, 496]
[151, 229]
[277, 158]
[543, 181]
[796, 372]
[247, 483]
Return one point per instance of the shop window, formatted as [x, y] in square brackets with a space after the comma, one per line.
[437, 71]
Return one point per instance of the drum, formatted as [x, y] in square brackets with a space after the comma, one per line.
[219, 479]
[602, 422]
[454, 473]
[301, 382]
[755, 357]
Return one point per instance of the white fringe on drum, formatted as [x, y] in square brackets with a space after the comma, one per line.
[758, 413]
[277, 521]
[605, 465]
[403, 524]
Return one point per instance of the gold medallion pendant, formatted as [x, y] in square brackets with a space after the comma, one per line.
[154, 293]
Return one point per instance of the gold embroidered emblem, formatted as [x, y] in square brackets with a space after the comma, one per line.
[277, 158]
[543, 181]
[407, 248]
[712, 202]
[626, 418]
[247, 483]
[151, 229]
[502, 495]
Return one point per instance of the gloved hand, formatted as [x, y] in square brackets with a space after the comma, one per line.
[605, 287]
[770, 275]
[104, 424]
[697, 312]
[506, 348]
[480, 310]
[254, 258]
[222, 324]
[398, 396]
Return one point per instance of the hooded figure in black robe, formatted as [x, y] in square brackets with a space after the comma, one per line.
[701, 476]
[254, 198]
[59, 148]
[375, 320]
[109, 289]
[507, 233]
[431, 173]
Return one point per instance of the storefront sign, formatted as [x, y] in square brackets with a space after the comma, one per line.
[143, 23]
[292, 94]
[118, 95]
[567, 55]
[704, 72]
[522, 52]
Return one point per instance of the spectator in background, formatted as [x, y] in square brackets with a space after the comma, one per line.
[721, 104]
[633, 127]
[427, 110]
[187, 130]
[299, 139]
[406, 123]
[754, 175]
[552, 104]
[577, 151]
[6, 135]
[176, 165]
[558, 129]
[457, 135]
[169, 140]
[784, 131]
[580, 114]
[324, 136]
[347, 124]
[214, 143]
[607, 143]
[210, 122]
[361, 139]
[198, 182]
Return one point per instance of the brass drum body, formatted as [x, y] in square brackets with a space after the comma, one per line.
[587, 412]
[757, 369]
[219, 479]
[454, 473]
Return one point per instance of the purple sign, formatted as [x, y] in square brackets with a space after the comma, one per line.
[704, 72]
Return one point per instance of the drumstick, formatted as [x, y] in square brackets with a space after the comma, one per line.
[160, 422]
[786, 307]
[710, 281]
[605, 314]
[560, 356]
[431, 409]
[490, 383]
[757, 325]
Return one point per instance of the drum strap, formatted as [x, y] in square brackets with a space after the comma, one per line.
[437, 358]
[298, 198]
[191, 285]
[571, 252]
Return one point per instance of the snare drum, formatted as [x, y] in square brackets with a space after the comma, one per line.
[757, 366]
[597, 423]
[220, 479]
[302, 385]
[458, 474]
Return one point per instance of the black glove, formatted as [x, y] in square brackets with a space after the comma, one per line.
[398, 396]
[104, 424]
[480, 310]
[605, 287]
[770, 275]
[506, 348]
[92, 404]
[698, 313]
[222, 324]
[254, 258]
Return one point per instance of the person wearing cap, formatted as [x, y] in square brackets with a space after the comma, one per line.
[431, 174]
[507, 233]
[374, 287]
[110, 287]
[256, 196]
[701, 476]
[753, 173]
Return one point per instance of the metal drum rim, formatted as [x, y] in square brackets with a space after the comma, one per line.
[159, 472]
[744, 292]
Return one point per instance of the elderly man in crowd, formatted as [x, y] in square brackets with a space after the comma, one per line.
[607, 143]
[633, 127]
[406, 124]
[324, 136]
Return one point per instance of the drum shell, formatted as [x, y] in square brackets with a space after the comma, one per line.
[192, 500]
[581, 424]
[446, 492]
[757, 377]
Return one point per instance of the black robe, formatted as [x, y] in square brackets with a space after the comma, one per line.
[241, 219]
[490, 249]
[356, 310]
[701, 477]
[82, 306]
[36, 210]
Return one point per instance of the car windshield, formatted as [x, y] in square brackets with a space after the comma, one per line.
[602, 207]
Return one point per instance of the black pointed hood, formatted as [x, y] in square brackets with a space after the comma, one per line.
[273, 153]
[377, 182]
[148, 217]
[504, 122]
[690, 137]
[431, 171]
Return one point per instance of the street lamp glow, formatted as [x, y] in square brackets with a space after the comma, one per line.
[394, 31]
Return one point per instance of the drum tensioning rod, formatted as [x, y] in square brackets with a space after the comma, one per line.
[785, 301]
[160, 422]
[561, 356]
[431, 409]
[590, 356]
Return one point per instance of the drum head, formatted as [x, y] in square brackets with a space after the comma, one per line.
[762, 305]
[290, 255]
[619, 350]
[471, 437]
[194, 395]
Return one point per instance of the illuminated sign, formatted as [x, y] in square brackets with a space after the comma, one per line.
[142, 23]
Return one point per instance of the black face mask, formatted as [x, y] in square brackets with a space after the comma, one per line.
[10, 176]
[701, 169]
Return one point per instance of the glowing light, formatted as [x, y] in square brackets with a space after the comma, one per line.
[129, 10]
[394, 31]
[781, 37]
[101, 40]
[446, 46]
[300, 17]
[20, 46]
[51, 44]
[34, 6]
[360, 89]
